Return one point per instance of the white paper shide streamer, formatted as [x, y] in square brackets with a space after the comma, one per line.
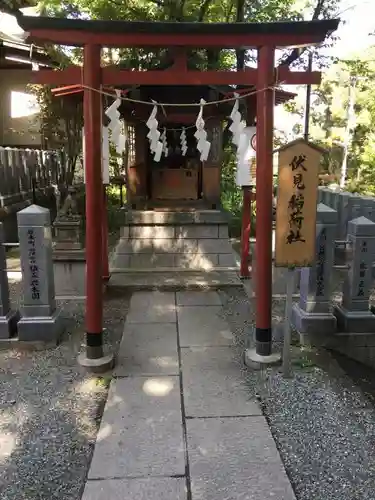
[115, 125]
[203, 145]
[156, 146]
[245, 156]
[183, 142]
[163, 139]
[238, 124]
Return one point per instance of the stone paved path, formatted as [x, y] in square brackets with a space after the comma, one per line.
[179, 423]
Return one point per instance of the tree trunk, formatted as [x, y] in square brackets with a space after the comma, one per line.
[240, 53]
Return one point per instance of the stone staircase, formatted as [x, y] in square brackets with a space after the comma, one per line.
[170, 245]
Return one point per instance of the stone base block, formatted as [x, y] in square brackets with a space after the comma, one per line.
[97, 365]
[70, 278]
[43, 329]
[257, 362]
[354, 321]
[8, 324]
[312, 324]
[67, 246]
[358, 346]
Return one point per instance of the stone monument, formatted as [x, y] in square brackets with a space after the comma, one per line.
[312, 315]
[41, 319]
[8, 318]
[354, 315]
[68, 224]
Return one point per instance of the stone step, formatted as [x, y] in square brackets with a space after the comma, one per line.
[171, 217]
[173, 245]
[172, 280]
[158, 231]
[173, 260]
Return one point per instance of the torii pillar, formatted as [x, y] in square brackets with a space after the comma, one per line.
[94, 358]
[262, 354]
[264, 195]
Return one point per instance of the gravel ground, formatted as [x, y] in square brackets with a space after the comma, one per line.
[50, 410]
[323, 419]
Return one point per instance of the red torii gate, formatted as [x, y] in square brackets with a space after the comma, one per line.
[93, 35]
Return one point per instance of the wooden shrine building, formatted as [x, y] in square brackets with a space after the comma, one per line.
[177, 177]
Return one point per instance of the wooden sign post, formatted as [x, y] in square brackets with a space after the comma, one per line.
[296, 219]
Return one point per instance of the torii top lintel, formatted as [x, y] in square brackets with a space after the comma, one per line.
[167, 34]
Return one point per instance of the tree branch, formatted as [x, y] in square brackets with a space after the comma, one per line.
[297, 52]
[180, 16]
[203, 9]
[240, 53]
[229, 13]
[157, 2]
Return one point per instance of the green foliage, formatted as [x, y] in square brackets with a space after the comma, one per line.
[186, 10]
[61, 122]
[329, 118]
[231, 194]
[197, 11]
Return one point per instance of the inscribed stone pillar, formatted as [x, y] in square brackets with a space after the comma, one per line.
[347, 207]
[330, 196]
[356, 209]
[312, 315]
[335, 200]
[41, 320]
[354, 315]
[7, 187]
[368, 207]
[24, 172]
[324, 195]
[8, 318]
[3, 186]
[13, 169]
[37, 172]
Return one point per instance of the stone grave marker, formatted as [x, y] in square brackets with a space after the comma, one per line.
[312, 315]
[13, 170]
[368, 207]
[354, 314]
[8, 318]
[2, 171]
[41, 319]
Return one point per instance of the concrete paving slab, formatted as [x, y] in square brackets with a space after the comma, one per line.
[212, 384]
[148, 349]
[152, 307]
[143, 363]
[203, 326]
[235, 459]
[196, 298]
[150, 336]
[172, 279]
[152, 488]
[259, 483]
[141, 430]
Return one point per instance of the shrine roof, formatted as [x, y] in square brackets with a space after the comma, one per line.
[282, 32]
[15, 54]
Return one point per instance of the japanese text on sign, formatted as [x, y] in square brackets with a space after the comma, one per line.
[320, 264]
[33, 267]
[361, 284]
[296, 204]
[297, 201]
